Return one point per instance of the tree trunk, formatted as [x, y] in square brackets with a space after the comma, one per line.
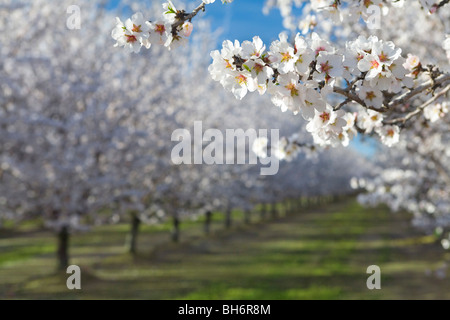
[208, 218]
[273, 210]
[247, 219]
[176, 229]
[63, 248]
[228, 218]
[263, 211]
[132, 240]
[297, 205]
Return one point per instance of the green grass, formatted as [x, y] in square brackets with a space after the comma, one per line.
[321, 253]
[24, 253]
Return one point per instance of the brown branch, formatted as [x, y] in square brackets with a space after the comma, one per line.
[442, 3]
[343, 103]
[419, 109]
[403, 98]
[182, 17]
[349, 95]
[400, 100]
[304, 145]
[353, 97]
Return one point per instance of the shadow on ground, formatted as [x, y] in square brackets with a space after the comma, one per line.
[319, 254]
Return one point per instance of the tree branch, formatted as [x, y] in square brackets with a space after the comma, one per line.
[353, 97]
[418, 109]
[187, 16]
[443, 3]
[402, 99]
[349, 95]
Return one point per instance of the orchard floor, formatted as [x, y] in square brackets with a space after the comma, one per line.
[322, 253]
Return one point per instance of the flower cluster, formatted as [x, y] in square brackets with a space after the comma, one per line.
[370, 120]
[301, 76]
[381, 64]
[364, 86]
[212, 1]
[172, 30]
[133, 34]
[355, 9]
[414, 174]
[339, 11]
[413, 65]
[435, 112]
[285, 149]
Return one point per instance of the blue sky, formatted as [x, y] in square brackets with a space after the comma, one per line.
[243, 19]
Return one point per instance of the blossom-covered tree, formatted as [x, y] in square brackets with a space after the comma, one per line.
[75, 130]
[414, 174]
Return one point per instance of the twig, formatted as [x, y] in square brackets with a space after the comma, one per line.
[402, 99]
[343, 103]
[349, 95]
[187, 16]
[353, 97]
[418, 109]
[443, 3]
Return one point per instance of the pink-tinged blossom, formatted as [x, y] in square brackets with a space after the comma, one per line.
[253, 50]
[389, 135]
[435, 112]
[282, 55]
[369, 120]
